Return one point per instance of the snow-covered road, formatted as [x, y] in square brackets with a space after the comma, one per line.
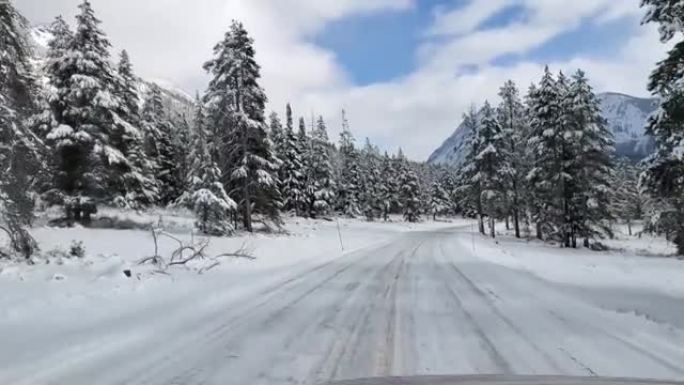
[421, 303]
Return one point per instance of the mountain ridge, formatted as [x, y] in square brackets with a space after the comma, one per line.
[173, 98]
[626, 115]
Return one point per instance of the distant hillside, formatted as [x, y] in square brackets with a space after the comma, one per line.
[176, 100]
[626, 115]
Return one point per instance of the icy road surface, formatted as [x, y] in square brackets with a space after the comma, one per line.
[422, 303]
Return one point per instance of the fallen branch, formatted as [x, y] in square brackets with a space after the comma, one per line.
[197, 254]
[205, 269]
[197, 250]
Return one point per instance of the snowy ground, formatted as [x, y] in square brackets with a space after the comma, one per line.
[432, 298]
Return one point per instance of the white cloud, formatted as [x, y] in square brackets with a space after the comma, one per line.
[467, 18]
[171, 39]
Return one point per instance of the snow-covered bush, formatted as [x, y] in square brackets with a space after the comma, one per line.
[211, 204]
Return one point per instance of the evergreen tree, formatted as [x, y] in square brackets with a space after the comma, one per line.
[19, 152]
[212, 205]
[199, 156]
[236, 103]
[162, 147]
[389, 186]
[183, 153]
[276, 134]
[134, 182]
[471, 184]
[629, 201]
[350, 185]
[448, 181]
[490, 165]
[511, 116]
[371, 192]
[301, 135]
[589, 162]
[439, 201]
[410, 196]
[90, 137]
[664, 175]
[292, 173]
[128, 90]
[546, 177]
[320, 186]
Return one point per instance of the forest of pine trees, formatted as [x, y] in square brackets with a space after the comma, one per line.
[542, 163]
[94, 137]
[547, 162]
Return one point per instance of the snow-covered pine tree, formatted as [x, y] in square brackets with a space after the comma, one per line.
[183, 153]
[153, 117]
[292, 173]
[320, 185]
[664, 175]
[350, 184]
[410, 195]
[276, 133]
[448, 181]
[235, 106]
[199, 155]
[19, 153]
[211, 203]
[370, 194]
[589, 148]
[43, 121]
[130, 103]
[135, 183]
[546, 178]
[491, 166]
[209, 200]
[629, 202]
[439, 200]
[400, 165]
[470, 180]
[57, 49]
[162, 147]
[302, 136]
[511, 116]
[89, 135]
[389, 187]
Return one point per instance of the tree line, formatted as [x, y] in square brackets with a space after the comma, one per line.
[89, 136]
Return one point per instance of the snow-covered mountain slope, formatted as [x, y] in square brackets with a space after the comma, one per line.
[626, 115]
[175, 99]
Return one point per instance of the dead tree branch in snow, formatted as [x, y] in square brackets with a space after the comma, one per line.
[186, 253]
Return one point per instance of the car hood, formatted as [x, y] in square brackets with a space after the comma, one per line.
[502, 380]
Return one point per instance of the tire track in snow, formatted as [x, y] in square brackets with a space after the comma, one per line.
[363, 325]
[622, 341]
[246, 309]
[495, 357]
[486, 299]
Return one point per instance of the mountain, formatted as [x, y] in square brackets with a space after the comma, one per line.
[175, 99]
[626, 116]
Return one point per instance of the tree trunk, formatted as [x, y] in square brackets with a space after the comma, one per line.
[679, 239]
[481, 223]
[247, 212]
[516, 223]
[508, 224]
[492, 227]
[629, 227]
[540, 236]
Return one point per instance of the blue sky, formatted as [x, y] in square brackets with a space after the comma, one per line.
[380, 47]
